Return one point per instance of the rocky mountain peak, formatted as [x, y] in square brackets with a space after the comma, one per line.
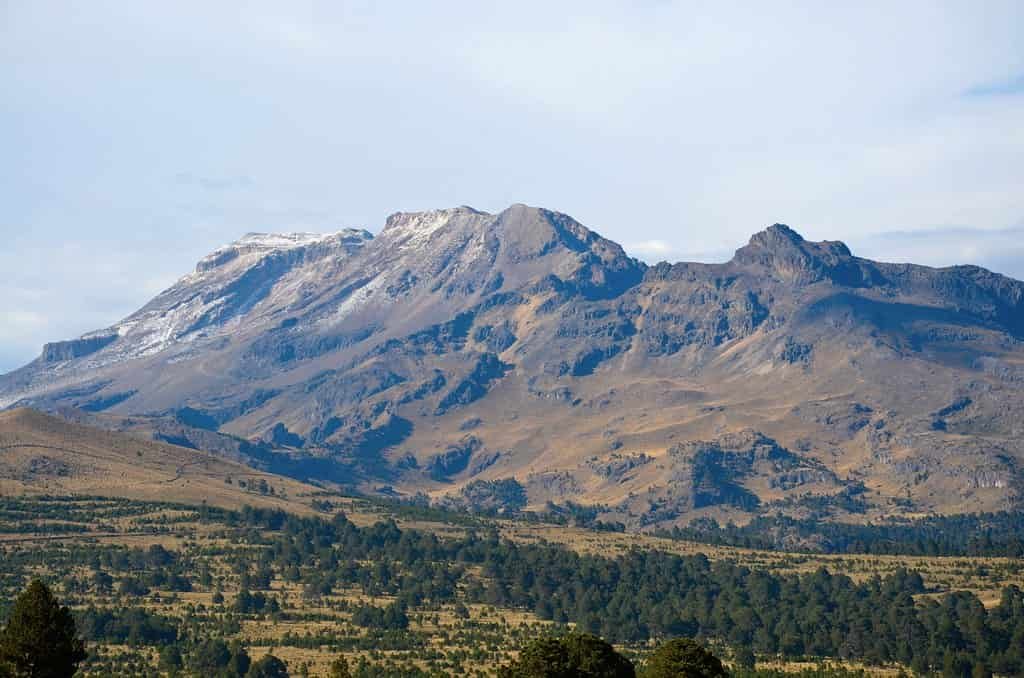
[790, 257]
[463, 248]
[413, 228]
[517, 224]
[778, 233]
[533, 231]
[781, 241]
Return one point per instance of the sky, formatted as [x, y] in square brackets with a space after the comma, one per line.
[135, 137]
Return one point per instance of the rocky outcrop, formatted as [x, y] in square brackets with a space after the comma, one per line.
[502, 497]
[453, 460]
[711, 473]
[62, 351]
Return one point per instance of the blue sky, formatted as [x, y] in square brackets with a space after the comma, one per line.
[136, 137]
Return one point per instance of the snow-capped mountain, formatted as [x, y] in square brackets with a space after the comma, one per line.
[459, 346]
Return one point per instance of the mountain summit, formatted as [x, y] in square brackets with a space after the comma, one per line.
[459, 348]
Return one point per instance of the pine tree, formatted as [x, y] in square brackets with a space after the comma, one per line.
[683, 658]
[339, 668]
[40, 639]
[268, 667]
[575, 655]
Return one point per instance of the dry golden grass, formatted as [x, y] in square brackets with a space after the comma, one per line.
[40, 454]
[796, 667]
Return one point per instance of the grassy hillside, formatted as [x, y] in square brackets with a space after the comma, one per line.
[40, 454]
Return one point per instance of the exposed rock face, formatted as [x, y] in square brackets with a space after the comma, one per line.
[454, 460]
[460, 346]
[63, 351]
[786, 255]
[727, 472]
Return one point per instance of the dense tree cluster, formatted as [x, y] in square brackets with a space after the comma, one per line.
[392, 617]
[255, 603]
[126, 625]
[985, 534]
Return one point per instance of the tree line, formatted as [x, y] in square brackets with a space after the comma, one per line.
[998, 534]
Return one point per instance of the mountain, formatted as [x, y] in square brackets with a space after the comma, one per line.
[45, 455]
[522, 356]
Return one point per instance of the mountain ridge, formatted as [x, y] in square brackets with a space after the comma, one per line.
[458, 346]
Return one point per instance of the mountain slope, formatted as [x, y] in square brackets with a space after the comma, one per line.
[41, 454]
[459, 346]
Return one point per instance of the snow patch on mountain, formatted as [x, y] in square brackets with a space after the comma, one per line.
[357, 300]
[405, 230]
[259, 245]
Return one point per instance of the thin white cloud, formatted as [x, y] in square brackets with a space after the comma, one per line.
[1007, 87]
[646, 249]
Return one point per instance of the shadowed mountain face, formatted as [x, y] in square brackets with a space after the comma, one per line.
[459, 346]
